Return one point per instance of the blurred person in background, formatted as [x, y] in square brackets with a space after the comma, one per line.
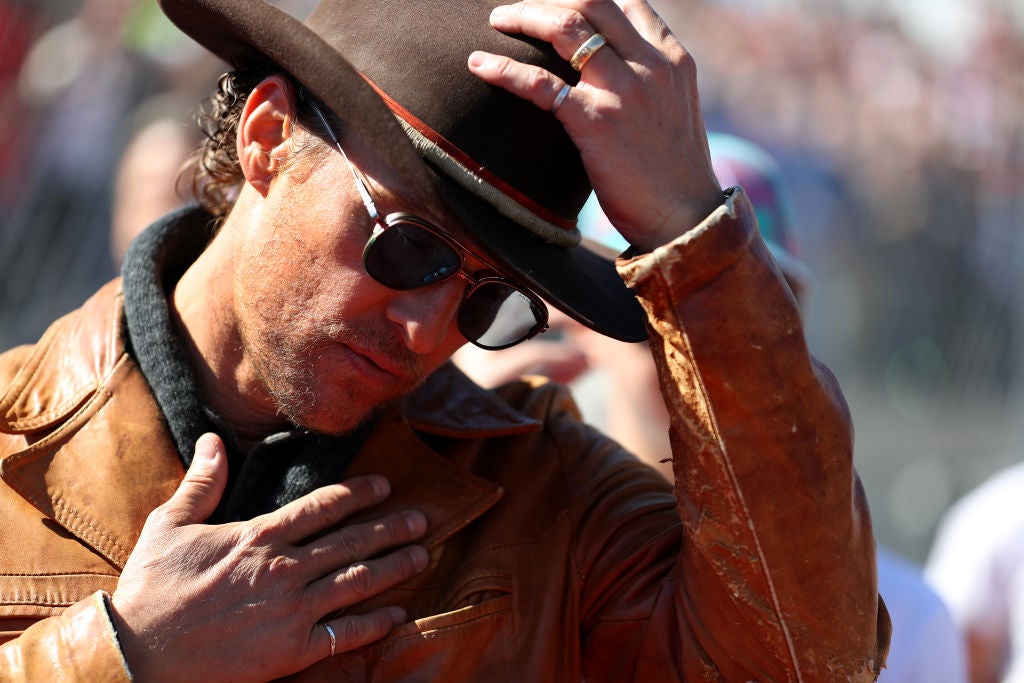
[977, 565]
[75, 94]
[172, 450]
[149, 181]
[617, 388]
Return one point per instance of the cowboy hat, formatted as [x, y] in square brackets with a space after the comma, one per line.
[395, 70]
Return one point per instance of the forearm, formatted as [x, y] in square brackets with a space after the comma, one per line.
[778, 554]
[78, 645]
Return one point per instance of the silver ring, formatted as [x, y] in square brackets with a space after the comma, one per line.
[560, 97]
[585, 51]
[330, 634]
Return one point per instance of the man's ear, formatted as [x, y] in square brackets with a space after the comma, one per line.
[264, 131]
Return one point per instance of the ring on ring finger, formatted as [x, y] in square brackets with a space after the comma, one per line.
[330, 634]
[587, 50]
[560, 97]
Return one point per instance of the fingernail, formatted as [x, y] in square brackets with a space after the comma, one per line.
[419, 557]
[500, 12]
[416, 522]
[206, 447]
[477, 59]
[398, 615]
[381, 486]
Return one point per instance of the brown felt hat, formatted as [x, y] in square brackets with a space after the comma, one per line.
[395, 70]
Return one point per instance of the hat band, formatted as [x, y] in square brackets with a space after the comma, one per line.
[456, 164]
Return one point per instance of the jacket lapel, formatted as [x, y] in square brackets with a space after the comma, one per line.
[421, 478]
[104, 461]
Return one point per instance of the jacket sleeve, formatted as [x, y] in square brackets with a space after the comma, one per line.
[773, 578]
[78, 646]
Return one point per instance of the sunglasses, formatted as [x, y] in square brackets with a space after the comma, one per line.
[405, 252]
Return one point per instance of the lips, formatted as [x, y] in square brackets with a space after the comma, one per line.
[374, 363]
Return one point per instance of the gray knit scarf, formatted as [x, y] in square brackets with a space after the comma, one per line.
[279, 469]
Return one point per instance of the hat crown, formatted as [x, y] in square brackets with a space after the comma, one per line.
[420, 63]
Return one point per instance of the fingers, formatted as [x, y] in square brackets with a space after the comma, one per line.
[565, 27]
[631, 27]
[361, 541]
[634, 114]
[536, 85]
[361, 580]
[323, 508]
[647, 22]
[353, 631]
[199, 492]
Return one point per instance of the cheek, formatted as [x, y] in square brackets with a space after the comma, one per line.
[302, 272]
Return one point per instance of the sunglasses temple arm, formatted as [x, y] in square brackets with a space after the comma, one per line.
[371, 208]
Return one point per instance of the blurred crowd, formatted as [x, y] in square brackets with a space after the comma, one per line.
[899, 127]
[909, 155]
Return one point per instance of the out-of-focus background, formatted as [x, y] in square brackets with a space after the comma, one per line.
[900, 126]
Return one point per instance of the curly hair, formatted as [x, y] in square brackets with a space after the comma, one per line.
[216, 174]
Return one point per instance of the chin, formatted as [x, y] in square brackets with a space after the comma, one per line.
[330, 408]
[326, 397]
[334, 425]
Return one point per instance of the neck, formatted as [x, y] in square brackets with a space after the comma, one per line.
[202, 313]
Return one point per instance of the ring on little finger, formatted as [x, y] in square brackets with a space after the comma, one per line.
[587, 50]
[560, 97]
[330, 634]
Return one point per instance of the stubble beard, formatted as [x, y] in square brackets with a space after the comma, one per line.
[288, 371]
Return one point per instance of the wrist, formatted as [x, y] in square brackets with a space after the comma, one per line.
[682, 221]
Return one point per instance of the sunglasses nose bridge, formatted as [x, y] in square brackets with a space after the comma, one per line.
[468, 280]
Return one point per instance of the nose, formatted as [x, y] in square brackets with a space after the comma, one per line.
[426, 316]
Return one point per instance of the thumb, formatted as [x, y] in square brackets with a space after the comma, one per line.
[200, 491]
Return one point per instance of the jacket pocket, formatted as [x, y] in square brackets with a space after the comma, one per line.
[471, 640]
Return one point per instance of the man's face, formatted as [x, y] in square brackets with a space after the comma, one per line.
[327, 342]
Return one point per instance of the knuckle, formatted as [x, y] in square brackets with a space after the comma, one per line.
[349, 544]
[256, 535]
[360, 580]
[568, 22]
[504, 68]
[160, 517]
[537, 82]
[326, 505]
[689, 65]
[280, 567]
[672, 67]
[354, 631]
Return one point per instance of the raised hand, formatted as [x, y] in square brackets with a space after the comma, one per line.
[634, 115]
[247, 601]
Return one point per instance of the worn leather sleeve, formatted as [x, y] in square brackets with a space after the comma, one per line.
[775, 580]
[77, 646]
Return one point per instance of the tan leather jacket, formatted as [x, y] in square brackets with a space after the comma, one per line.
[554, 555]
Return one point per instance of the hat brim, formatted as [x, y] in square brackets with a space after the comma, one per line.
[580, 282]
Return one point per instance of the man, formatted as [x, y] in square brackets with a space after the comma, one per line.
[474, 534]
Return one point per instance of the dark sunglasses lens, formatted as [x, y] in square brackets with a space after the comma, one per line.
[496, 316]
[406, 256]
